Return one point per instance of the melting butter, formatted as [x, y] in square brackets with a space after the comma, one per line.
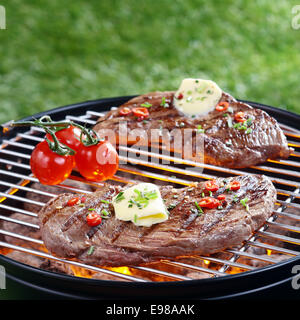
[141, 204]
[197, 96]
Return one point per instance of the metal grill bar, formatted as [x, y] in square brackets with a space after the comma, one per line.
[20, 147]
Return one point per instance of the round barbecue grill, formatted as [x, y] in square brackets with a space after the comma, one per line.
[262, 267]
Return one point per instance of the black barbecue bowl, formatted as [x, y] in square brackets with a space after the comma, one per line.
[271, 282]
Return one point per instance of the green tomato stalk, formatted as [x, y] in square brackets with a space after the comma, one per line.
[88, 137]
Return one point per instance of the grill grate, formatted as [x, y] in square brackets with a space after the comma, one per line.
[277, 239]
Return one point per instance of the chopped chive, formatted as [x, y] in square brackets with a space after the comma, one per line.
[91, 250]
[235, 198]
[146, 105]
[249, 130]
[91, 209]
[172, 206]
[104, 201]
[244, 203]
[135, 218]
[105, 212]
[120, 197]
[249, 122]
[164, 103]
[199, 209]
[200, 129]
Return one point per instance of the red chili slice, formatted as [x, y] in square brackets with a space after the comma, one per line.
[125, 111]
[222, 106]
[140, 113]
[240, 116]
[221, 197]
[209, 202]
[93, 219]
[73, 201]
[83, 199]
[180, 96]
[211, 185]
[234, 185]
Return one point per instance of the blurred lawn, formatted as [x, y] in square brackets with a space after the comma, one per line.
[59, 52]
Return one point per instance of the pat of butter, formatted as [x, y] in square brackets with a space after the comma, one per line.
[141, 204]
[197, 96]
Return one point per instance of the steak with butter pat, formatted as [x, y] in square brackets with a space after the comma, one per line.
[187, 232]
[223, 143]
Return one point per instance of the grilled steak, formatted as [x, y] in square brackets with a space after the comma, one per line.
[186, 232]
[225, 144]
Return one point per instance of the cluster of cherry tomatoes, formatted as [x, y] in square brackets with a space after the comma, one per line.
[97, 162]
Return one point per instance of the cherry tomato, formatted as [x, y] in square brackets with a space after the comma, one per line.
[141, 113]
[69, 136]
[211, 185]
[240, 116]
[49, 167]
[125, 111]
[234, 185]
[209, 202]
[97, 162]
[222, 106]
[93, 219]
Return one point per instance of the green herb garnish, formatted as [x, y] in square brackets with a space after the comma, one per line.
[244, 203]
[235, 198]
[105, 212]
[105, 201]
[146, 105]
[120, 197]
[200, 129]
[249, 121]
[172, 206]
[142, 198]
[164, 103]
[91, 250]
[199, 209]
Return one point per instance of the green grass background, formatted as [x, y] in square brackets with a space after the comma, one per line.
[60, 52]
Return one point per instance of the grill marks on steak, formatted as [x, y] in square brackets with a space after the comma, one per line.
[118, 243]
[266, 141]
